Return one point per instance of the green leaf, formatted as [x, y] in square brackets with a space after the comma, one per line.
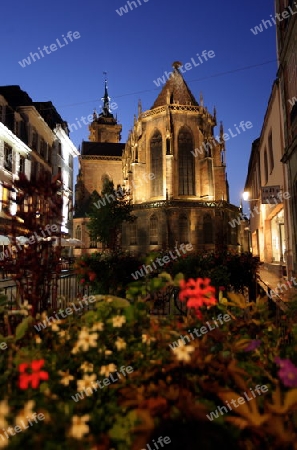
[178, 278]
[118, 302]
[22, 328]
[129, 313]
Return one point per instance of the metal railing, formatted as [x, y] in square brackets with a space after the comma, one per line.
[69, 289]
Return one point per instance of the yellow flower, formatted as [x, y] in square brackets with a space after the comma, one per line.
[182, 351]
[64, 334]
[87, 367]
[106, 370]
[55, 325]
[37, 339]
[118, 321]
[146, 339]
[66, 377]
[120, 344]
[3, 440]
[79, 427]
[99, 326]
[108, 352]
[26, 305]
[26, 411]
[4, 410]
[86, 382]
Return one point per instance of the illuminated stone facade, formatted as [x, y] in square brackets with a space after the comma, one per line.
[174, 168]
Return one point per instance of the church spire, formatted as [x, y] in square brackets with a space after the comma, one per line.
[105, 99]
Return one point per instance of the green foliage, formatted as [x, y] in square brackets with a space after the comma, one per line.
[107, 213]
[106, 274]
[163, 383]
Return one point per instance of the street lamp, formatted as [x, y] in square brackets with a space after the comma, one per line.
[246, 196]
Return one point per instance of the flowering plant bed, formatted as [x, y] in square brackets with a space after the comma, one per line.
[109, 378]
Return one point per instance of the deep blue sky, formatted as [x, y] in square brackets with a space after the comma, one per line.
[135, 49]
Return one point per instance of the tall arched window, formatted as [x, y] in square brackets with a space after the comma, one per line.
[133, 233]
[207, 229]
[78, 232]
[186, 179]
[156, 164]
[93, 240]
[154, 230]
[183, 229]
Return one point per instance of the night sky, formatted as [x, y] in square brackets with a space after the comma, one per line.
[135, 49]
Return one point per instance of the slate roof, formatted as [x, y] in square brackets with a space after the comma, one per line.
[178, 90]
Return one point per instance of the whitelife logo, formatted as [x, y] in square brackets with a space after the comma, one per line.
[203, 330]
[279, 16]
[68, 311]
[140, 273]
[207, 146]
[106, 382]
[242, 216]
[166, 440]
[53, 47]
[187, 66]
[223, 410]
[124, 9]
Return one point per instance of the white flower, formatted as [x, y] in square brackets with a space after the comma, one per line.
[182, 352]
[55, 325]
[86, 340]
[4, 410]
[87, 367]
[3, 440]
[106, 370]
[86, 382]
[98, 326]
[26, 305]
[118, 321]
[79, 427]
[120, 344]
[26, 411]
[64, 334]
[37, 339]
[66, 377]
[146, 339]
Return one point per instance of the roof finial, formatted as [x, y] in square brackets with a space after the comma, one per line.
[139, 107]
[105, 98]
[201, 99]
[176, 65]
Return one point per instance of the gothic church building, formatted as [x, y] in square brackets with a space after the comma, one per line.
[174, 169]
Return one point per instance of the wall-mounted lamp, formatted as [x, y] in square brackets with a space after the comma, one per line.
[246, 196]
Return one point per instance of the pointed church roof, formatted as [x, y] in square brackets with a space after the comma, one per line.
[175, 90]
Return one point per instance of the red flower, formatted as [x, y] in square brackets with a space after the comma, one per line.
[82, 281]
[92, 276]
[222, 288]
[197, 293]
[32, 378]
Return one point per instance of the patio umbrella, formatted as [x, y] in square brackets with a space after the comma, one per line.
[74, 242]
[22, 240]
[4, 240]
[64, 242]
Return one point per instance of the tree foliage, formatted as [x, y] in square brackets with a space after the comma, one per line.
[107, 213]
